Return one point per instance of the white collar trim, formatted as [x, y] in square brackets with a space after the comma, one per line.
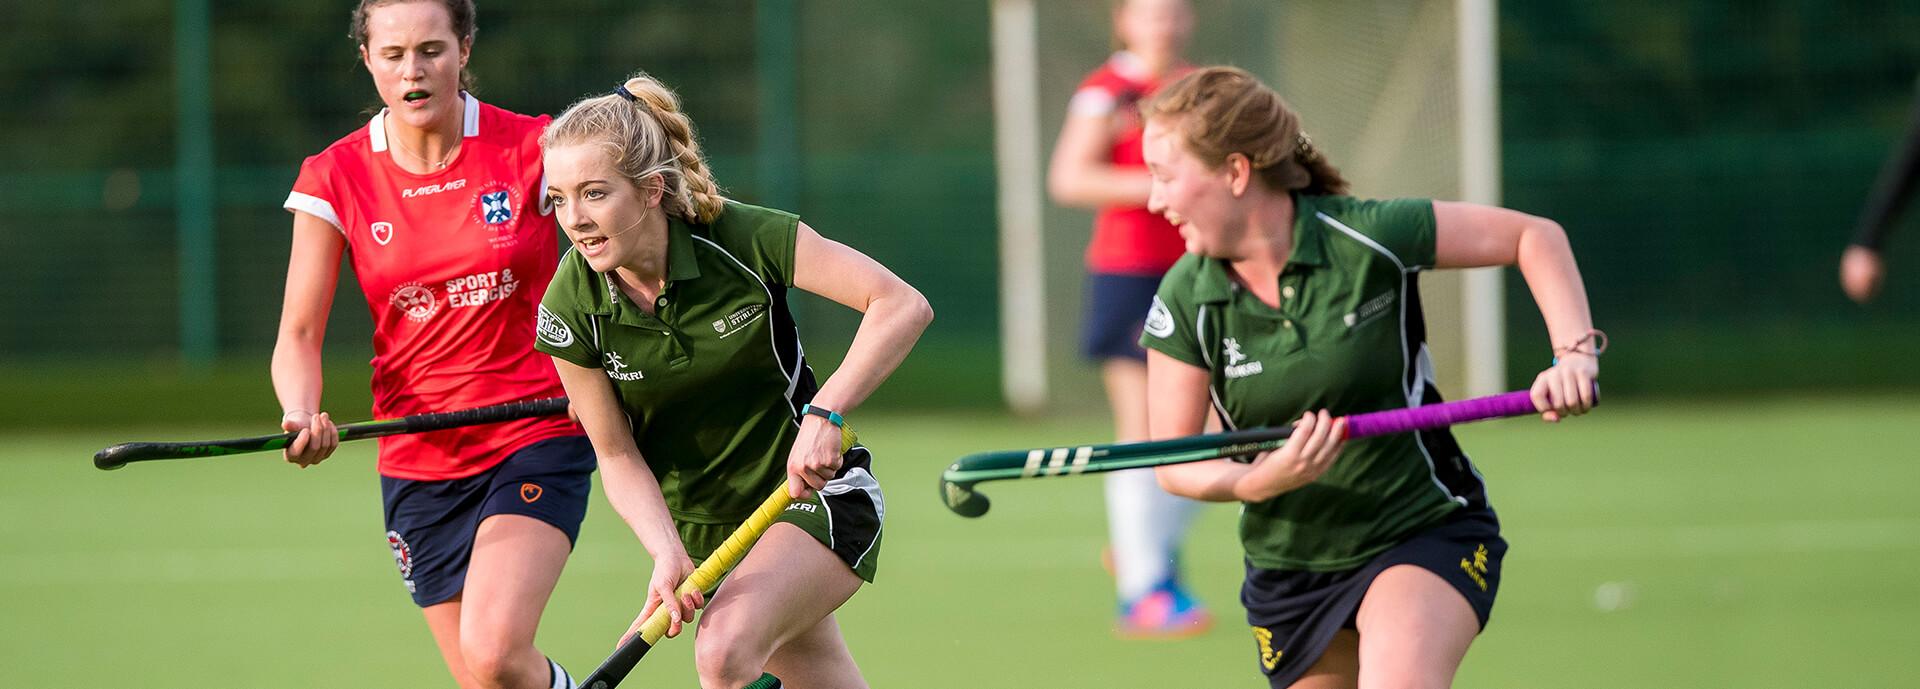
[1129, 65]
[469, 123]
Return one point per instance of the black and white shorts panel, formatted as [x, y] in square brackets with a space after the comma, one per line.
[846, 516]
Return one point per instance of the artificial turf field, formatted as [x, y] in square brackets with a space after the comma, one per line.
[1655, 543]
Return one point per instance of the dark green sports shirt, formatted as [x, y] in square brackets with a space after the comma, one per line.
[1348, 337]
[713, 384]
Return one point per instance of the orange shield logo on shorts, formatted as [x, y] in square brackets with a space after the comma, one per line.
[529, 492]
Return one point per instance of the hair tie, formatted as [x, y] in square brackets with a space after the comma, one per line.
[1305, 146]
[622, 92]
[1595, 336]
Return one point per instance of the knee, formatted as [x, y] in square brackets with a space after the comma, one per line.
[722, 663]
[1405, 678]
[489, 660]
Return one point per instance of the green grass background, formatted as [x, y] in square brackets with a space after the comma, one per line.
[1655, 543]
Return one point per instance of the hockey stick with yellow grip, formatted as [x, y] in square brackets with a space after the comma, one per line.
[703, 578]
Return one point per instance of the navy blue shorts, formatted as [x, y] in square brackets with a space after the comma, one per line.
[1113, 314]
[431, 524]
[1295, 614]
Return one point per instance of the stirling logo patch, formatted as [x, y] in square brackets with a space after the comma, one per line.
[1370, 311]
[1159, 319]
[740, 317]
[552, 330]
[416, 300]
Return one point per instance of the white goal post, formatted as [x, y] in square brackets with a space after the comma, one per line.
[1017, 162]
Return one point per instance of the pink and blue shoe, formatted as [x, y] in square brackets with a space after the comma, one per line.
[1167, 612]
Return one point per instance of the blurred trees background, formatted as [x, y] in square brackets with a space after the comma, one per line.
[1709, 159]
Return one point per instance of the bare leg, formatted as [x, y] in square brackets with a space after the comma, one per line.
[1338, 667]
[1414, 630]
[816, 658]
[516, 562]
[783, 593]
[444, 620]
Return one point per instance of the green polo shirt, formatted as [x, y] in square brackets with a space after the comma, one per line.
[1348, 336]
[712, 381]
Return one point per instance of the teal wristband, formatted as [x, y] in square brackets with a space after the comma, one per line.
[832, 417]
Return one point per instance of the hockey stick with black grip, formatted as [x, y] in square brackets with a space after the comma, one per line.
[120, 455]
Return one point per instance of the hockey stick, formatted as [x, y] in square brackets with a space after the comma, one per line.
[703, 578]
[957, 482]
[119, 455]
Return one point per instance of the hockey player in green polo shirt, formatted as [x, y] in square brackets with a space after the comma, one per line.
[669, 326]
[1295, 304]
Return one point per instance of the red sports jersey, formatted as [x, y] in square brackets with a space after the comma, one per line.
[453, 264]
[1127, 240]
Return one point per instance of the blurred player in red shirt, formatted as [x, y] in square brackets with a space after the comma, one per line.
[438, 199]
[1097, 163]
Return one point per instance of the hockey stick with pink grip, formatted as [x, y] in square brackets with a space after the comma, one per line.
[957, 482]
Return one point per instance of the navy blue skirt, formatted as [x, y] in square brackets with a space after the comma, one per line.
[1295, 614]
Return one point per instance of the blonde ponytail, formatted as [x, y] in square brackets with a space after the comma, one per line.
[643, 129]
